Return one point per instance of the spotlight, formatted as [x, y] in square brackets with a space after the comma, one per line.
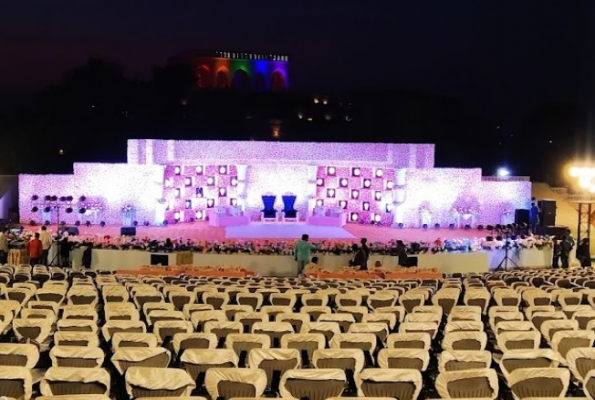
[62, 223]
[489, 228]
[467, 227]
[400, 225]
[88, 224]
[77, 223]
[319, 203]
[68, 210]
[164, 223]
[82, 199]
[47, 209]
[331, 171]
[32, 223]
[379, 173]
[354, 217]
[199, 214]
[389, 208]
[378, 196]
[330, 193]
[343, 182]
[502, 172]
[177, 216]
[62, 198]
[82, 210]
[451, 226]
[233, 202]
[146, 223]
[424, 226]
[191, 220]
[480, 227]
[199, 170]
[34, 197]
[222, 192]
[48, 198]
[210, 181]
[134, 223]
[377, 218]
[233, 181]
[436, 226]
[366, 206]
[319, 182]
[355, 171]
[34, 209]
[102, 224]
[188, 181]
[69, 198]
[210, 203]
[223, 169]
[343, 204]
[177, 170]
[47, 222]
[54, 198]
[355, 194]
[390, 185]
[367, 183]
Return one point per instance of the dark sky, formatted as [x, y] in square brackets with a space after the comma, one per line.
[497, 52]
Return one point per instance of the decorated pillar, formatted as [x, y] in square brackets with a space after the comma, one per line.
[242, 176]
[312, 176]
[399, 196]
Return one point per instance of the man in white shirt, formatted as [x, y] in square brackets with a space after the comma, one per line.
[46, 241]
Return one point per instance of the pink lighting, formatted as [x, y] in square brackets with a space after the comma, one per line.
[377, 218]
[343, 182]
[378, 173]
[222, 192]
[389, 208]
[377, 196]
[367, 183]
[188, 181]
[223, 169]
[354, 194]
[199, 170]
[390, 185]
[177, 170]
[210, 203]
[210, 181]
[354, 217]
[366, 206]
[319, 182]
[233, 181]
[330, 193]
[355, 171]
[331, 171]
[178, 192]
[233, 202]
[343, 204]
[177, 215]
[199, 214]
[319, 203]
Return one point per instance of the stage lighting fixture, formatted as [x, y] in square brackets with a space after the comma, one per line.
[400, 225]
[146, 223]
[102, 224]
[62, 198]
[436, 226]
[32, 223]
[210, 203]
[62, 223]
[354, 217]
[377, 218]
[330, 193]
[69, 198]
[467, 227]
[233, 181]
[233, 202]
[451, 226]
[210, 181]
[378, 173]
[47, 222]
[68, 210]
[319, 203]
[366, 206]
[378, 196]
[390, 185]
[188, 205]
[88, 224]
[223, 169]
[164, 223]
[367, 183]
[34, 209]
[343, 204]
[177, 216]
[424, 226]
[356, 171]
[47, 209]
[177, 170]
[54, 198]
[355, 194]
[199, 170]
[77, 223]
[134, 223]
[319, 182]
[48, 198]
[331, 171]
[343, 182]
[222, 192]
[82, 199]
[188, 181]
[82, 210]
[389, 207]
[490, 228]
[502, 172]
[34, 197]
[480, 227]
[199, 214]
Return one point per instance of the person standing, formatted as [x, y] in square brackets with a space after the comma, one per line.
[3, 247]
[46, 241]
[402, 258]
[583, 253]
[565, 249]
[303, 253]
[366, 251]
[359, 257]
[533, 218]
[556, 253]
[35, 249]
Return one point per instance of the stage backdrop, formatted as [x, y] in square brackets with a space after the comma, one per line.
[385, 183]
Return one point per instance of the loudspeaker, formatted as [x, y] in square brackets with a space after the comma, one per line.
[128, 231]
[557, 231]
[159, 259]
[547, 212]
[521, 216]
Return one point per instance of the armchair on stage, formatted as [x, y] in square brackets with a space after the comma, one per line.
[335, 216]
[268, 214]
[227, 216]
[289, 213]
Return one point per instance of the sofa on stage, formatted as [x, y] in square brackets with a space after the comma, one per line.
[321, 216]
[227, 216]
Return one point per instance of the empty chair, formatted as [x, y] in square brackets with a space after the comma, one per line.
[19, 355]
[446, 298]
[59, 381]
[316, 311]
[248, 319]
[398, 311]
[540, 358]
[431, 328]
[232, 310]
[275, 330]
[496, 318]
[514, 326]
[228, 383]
[507, 297]
[387, 318]
[76, 325]
[550, 327]
[404, 359]
[328, 329]
[16, 382]
[165, 330]
[463, 326]
[564, 341]
[465, 313]
[223, 329]
[76, 357]
[87, 313]
[539, 318]
[243, 343]
[537, 297]
[352, 361]
[465, 341]
[450, 360]
[184, 341]
[362, 341]
[317, 384]
[409, 340]
[583, 317]
[181, 298]
[315, 299]
[581, 361]
[306, 343]
[296, 320]
[198, 361]
[515, 340]
[253, 300]
[153, 357]
[477, 297]
[539, 382]
[402, 384]
[200, 318]
[164, 315]
[158, 382]
[472, 383]
[274, 362]
[589, 384]
[379, 329]
[36, 331]
[83, 339]
[189, 309]
[216, 299]
[283, 299]
[128, 339]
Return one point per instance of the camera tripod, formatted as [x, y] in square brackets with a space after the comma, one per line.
[503, 266]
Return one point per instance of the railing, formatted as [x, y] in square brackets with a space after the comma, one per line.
[560, 190]
[581, 198]
[506, 178]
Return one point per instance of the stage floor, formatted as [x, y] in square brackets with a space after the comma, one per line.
[257, 230]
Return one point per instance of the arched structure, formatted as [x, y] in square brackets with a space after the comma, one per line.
[241, 80]
[203, 77]
[278, 81]
[222, 79]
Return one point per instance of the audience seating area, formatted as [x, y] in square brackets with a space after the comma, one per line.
[96, 335]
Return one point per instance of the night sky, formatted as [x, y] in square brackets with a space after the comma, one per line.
[497, 54]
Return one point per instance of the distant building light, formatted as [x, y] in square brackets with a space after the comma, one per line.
[316, 100]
